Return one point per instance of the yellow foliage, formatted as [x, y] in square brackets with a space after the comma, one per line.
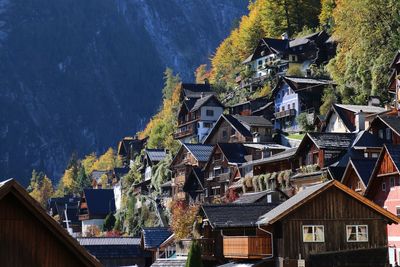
[88, 163]
[107, 161]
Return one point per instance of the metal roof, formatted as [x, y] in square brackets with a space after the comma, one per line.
[294, 200]
[100, 241]
[154, 237]
[156, 155]
[200, 152]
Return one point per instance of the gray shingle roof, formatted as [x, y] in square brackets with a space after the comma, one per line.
[332, 140]
[251, 197]
[169, 263]
[203, 100]
[294, 200]
[237, 125]
[154, 237]
[287, 154]
[308, 80]
[156, 155]
[200, 152]
[191, 90]
[235, 215]
[255, 121]
[99, 241]
[358, 108]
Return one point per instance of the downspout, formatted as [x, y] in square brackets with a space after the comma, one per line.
[272, 242]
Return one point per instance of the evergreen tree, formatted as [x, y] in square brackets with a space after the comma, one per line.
[170, 82]
[194, 257]
[83, 181]
[109, 222]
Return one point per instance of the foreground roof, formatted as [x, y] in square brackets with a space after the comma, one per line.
[154, 237]
[61, 235]
[310, 192]
[235, 215]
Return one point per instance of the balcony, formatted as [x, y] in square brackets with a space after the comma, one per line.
[207, 246]
[285, 113]
[247, 247]
[186, 131]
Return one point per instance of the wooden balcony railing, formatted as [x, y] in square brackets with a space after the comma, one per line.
[207, 246]
[285, 113]
[247, 247]
[190, 130]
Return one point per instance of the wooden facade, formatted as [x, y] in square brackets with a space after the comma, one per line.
[381, 129]
[226, 133]
[30, 237]
[352, 180]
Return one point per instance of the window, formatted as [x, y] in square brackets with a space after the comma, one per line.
[374, 155]
[288, 106]
[210, 112]
[392, 184]
[380, 134]
[260, 62]
[224, 134]
[207, 125]
[313, 233]
[283, 108]
[293, 106]
[388, 134]
[357, 233]
[398, 211]
[383, 187]
[366, 155]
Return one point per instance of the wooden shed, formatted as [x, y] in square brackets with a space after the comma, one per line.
[30, 237]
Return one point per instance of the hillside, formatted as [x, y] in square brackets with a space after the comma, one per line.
[79, 75]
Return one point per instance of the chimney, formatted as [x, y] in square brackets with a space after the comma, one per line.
[285, 36]
[360, 121]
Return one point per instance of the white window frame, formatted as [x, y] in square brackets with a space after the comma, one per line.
[313, 233]
[357, 233]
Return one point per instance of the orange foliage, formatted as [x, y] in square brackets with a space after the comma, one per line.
[183, 218]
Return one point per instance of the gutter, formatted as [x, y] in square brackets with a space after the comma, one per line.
[272, 242]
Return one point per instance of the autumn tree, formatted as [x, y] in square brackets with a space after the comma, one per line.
[107, 161]
[201, 74]
[41, 188]
[183, 218]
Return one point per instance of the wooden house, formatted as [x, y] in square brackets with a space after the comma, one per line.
[386, 128]
[189, 156]
[294, 96]
[94, 207]
[349, 118]
[196, 117]
[240, 129]
[384, 189]
[30, 237]
[357, 174]
[129, 148]
[65, 211]
[152, 239]
[152, 157]
[117, 251]
[325, 220]
[222, 169]
[323, 149]
[261, 106]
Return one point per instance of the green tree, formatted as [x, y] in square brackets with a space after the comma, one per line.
[304, 122]
[328, 99]
[42, 190]
[109, 222]
[194, 257]
[83, 180]
[88, 163]
[170, 82]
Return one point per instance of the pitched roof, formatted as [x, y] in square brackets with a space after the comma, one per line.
[366, 139]
[331, 140]
[304, 40]
[287, 154]
[363, 167]
[310, 192]
[231, 215]
[301, 83]
[200, 152]
[234, 152]
[359, 108]
[394, 152]
[175, 262]
[271, 45]
[100, 202]
[96, 175]
[99, 241]
[154, 237]
[254, 121]
[392, 121]
[203, 100]
[120, 172]
[195, 90]
[255, 197]
[156, 155]
[236, 124]
[13, 187]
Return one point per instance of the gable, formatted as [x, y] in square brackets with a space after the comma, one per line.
[30, 237]
[386, 164]
[182, 156]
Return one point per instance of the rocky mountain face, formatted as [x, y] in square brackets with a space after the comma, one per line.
[76, 76]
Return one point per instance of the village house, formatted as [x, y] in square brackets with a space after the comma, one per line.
[65, 211]
[151, 158]
[273, 57]
[384, 189]
[153, 240]
[195, 90]
[196, 117]
[357, 174]
[386, 128]
[294, 96]
[189, 156]
[261, 106]
[349, 118]
[30, 237]
[101, 179]
[323, 225]
[129, 148]
[94, 207]
[240, 129]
